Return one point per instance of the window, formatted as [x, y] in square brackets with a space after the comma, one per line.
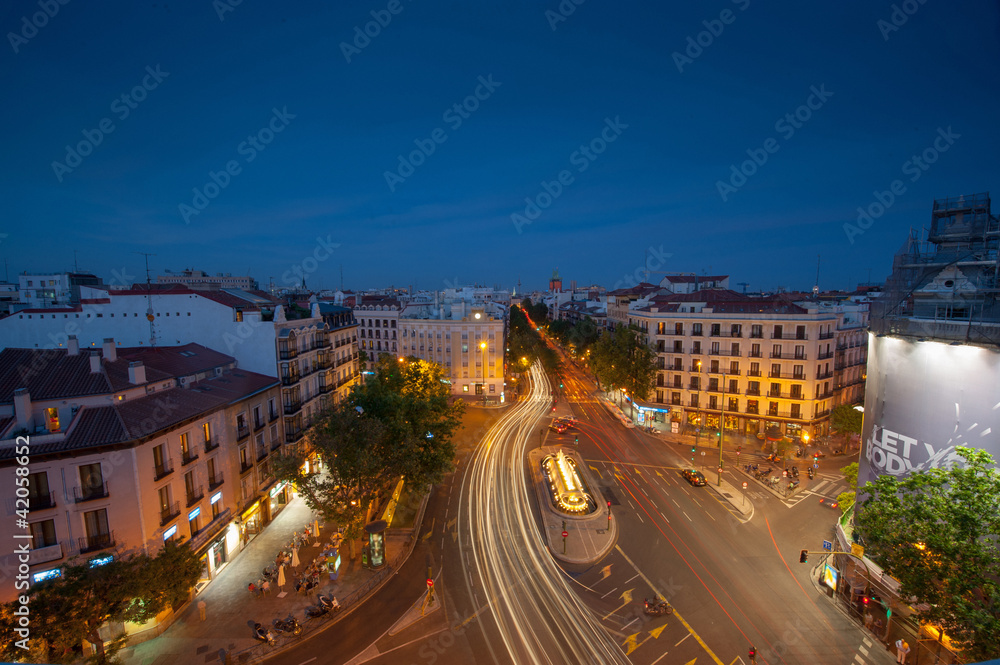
[715, 349]
[798, 372]
[96, 524]
[800, 352]
[772, 409]
[695, 384]
[775, 390]
[734, 404]
[714, 369]
[678, 346]
[91, 478]
[736, 330]
[713, 385]
[776, 351]
[696, 348]
[754, 369]
[716, 330]
[753, 388]
[694, 400]
[675, 399]
[796, 391]
[734, 367]
[795, 411]
[678, 328]
[777, 333]
[244, 460]
[185, 449]
[207, 431]
[696, 329]
[734, 386]
[43, 534]
[38, 490]
[52, 420]
[752, 406]
[734, 349]
[775, 370]
[755, 350]
[800, 332]
[713, 402]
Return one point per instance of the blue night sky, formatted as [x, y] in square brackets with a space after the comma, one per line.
[887, 95]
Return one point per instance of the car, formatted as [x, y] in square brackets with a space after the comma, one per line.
[830, 503]
[694, 477]
[570, 423]
[558, 427]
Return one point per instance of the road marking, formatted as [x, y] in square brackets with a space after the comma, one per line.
[609, 593]
[630, 623]
[710, 515]
[631, 578]
[675, 503]
[867, 641]
[859, 659]
[676, 613]
[640, 518]
[308, 661]
[684, 638]
[662, 657]
[863, 650]
[687, 516]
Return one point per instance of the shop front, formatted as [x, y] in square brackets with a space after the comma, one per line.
[278, 497]
[652, 416]
[251, 522]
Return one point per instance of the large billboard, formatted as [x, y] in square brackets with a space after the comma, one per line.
[922, 400]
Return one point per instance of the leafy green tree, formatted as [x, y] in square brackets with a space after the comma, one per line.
[847, 498]
[560, 330]
[623, 359]
[584, 335]
[936, 532]
[72, 608]
[845, 418]
[362, 461]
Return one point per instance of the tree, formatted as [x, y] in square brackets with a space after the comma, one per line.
[584, 335]
[362, 460]
[622, 359]
[560, 330]
[936, 532]
[847, 498]
[845, 418]
[72, 608]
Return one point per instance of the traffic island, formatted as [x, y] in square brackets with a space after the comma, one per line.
[576, 522]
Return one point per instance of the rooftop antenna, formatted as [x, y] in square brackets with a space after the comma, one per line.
[816, 284]
[149, 302]
[76, 265]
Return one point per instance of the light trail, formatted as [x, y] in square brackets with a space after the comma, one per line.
[538, 616]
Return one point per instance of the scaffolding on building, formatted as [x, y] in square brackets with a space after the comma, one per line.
[945, 278]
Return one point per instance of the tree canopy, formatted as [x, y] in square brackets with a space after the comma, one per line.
[845, 418]
[622, 359]
[72, 608]
[398, 424]
[936, 532]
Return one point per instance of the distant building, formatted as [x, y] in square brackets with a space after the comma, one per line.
[130, 447]
[52, 289]
[767, 365]
[196, 279]
[555, 284]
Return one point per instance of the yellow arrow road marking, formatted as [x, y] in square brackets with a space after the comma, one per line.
[594, 468]
[606, 572]
[627, 598]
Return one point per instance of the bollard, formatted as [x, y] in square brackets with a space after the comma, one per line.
[201, 609]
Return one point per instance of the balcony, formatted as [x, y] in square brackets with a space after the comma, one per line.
[293, 435]
[694, 386]
[41, 501]
[261, 453]
[798, 376]
[292, 407]
[188, 456]
[828, 394]
[101, 541]
[826, 335]
[309, 369]
[753, 410]
[162, 470]
[695, 333]
[288, 354]
[799, 356]
[753, 372]
[322, 343]
[324, 388]
[755, 354]
[258, 424]
[242, 432]
[324, 362]
[825, 355]
[215, 481]
[170, 512]
[824, 375]
[272, 416]
[776, 375]
[824, 412]
[245, 465]
[695, 351]
[753, 391]
[89, 493]
[195, 495]
[290, 379]
[756, 335]
[790, 336]
[42, 555]
[210, 445]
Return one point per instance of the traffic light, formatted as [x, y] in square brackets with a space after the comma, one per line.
[804, 556]
[864, 600]
[576, 440]
[753, 655]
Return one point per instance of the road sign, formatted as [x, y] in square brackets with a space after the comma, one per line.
[857, 550]
[565, 533]
[430, 583]
[744, 484]
[827, 545]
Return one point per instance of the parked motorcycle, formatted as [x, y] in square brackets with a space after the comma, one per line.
[329, 602]
[316, 611]
[263, 634]
[657, 607]
[288, 625]
[812, 473]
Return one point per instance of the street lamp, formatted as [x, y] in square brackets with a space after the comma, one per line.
[482, 345]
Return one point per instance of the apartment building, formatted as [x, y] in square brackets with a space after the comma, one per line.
[378, 326]
[51, 289]
[762, 365]
[202, 280]
[131, 447]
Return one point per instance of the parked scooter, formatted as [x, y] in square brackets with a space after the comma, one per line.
[263, 634]
[288, 625]
[329, 602]
[316, 611]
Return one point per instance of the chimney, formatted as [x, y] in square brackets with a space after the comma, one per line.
[110, 352]
[22, 407]
[95, 361]
[136, 373]
[73, 346]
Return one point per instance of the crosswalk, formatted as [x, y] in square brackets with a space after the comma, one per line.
[863, 656]
[824, 486]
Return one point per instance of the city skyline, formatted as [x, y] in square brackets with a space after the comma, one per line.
[491, 145]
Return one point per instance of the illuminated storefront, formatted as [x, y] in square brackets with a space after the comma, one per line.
[278, 497]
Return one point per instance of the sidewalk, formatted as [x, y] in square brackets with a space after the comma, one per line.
[231, 609]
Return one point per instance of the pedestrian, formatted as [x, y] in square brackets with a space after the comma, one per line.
[252, 589]
[878, 628]
[868, 620]
[902, 648]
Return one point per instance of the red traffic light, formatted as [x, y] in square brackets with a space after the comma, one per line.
[609, 504]
[753, 652]
[864, 600]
